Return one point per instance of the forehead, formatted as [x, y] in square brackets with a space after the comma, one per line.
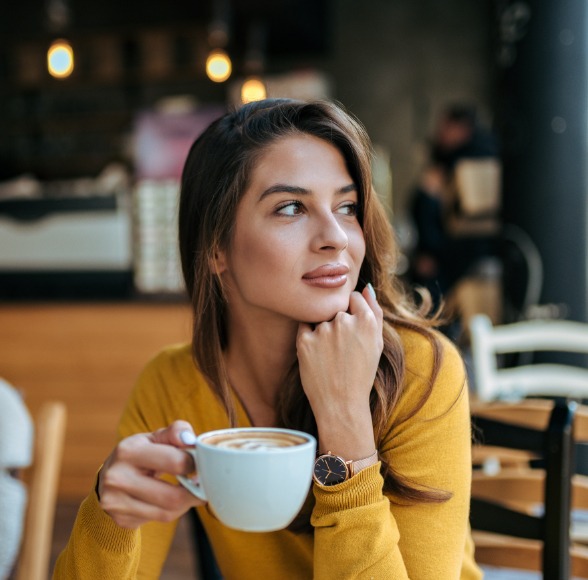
[297, 156]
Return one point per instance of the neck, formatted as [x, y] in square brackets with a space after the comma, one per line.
[258, 358]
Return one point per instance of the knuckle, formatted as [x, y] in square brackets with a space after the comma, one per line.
[304, 341]
[365, 315]
[179, 463]
[109, 505]
[180, 425]
[127, 522]
[111, 479]
[128, 447]
[159, 431]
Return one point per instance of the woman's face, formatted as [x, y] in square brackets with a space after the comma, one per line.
[297, 245]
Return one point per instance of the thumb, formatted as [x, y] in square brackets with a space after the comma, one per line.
[178, 434]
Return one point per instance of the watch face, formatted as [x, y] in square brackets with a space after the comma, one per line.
[330, 470]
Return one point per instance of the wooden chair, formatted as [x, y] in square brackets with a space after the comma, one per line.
[206, 564]
[522, 517]
[489, 342]
[35, 552]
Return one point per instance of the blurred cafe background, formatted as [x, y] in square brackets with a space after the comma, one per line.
[100, 101]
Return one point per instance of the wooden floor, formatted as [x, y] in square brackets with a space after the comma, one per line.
[180, 564]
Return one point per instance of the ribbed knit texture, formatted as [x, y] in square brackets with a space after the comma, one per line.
[358, 531]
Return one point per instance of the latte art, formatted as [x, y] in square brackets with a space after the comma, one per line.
[255, 440]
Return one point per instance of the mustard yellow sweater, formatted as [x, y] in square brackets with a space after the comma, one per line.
[358, 531]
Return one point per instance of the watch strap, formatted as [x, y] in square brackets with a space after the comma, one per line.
[356, 466]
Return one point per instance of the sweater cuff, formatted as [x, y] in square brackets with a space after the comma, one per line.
[109, 536]
[362, 489]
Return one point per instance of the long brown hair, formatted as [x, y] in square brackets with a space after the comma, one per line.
[215, 177]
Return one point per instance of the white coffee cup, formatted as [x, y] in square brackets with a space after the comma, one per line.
[255, 478]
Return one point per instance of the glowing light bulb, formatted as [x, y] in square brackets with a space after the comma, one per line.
[60, 59]
[253, 89]
[218, 66]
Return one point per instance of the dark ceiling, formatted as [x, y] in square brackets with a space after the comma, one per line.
[293, 27]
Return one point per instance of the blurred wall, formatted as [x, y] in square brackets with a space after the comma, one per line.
[396, 64]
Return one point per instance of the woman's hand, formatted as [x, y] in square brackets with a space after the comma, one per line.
[129, 488]
[338, 362]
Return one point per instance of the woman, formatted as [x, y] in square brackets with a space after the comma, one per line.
[287, 257]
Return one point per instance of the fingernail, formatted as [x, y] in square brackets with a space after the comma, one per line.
[371, 289]
[188, 438]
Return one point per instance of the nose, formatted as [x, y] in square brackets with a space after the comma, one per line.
[329, 235]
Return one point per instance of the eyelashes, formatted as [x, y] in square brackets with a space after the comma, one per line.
[294, 207]
[351, 208]
[290, 208]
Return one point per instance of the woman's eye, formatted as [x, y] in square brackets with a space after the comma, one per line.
[348, 209]
[290, 208]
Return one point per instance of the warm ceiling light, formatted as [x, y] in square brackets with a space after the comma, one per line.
[60, 59]
[218, 66]
[253, 89]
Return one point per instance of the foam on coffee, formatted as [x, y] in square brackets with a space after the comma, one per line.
[255, 440]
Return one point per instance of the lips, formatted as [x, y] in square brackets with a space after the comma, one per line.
[327, 276]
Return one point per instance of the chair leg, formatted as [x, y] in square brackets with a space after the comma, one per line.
[559, 457]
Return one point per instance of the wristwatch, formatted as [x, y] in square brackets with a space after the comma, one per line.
[331, 469]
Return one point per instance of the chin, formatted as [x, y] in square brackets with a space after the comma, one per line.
[327, 313]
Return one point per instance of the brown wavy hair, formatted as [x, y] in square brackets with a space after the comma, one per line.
[215, 177]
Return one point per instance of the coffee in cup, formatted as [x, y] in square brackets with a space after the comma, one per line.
[254, 440]
[254, 479]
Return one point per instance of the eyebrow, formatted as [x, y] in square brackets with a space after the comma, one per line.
[283, 188]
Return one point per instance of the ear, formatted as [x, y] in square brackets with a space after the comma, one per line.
[218, 262]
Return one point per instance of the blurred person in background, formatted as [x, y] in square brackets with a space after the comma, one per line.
[440, 259]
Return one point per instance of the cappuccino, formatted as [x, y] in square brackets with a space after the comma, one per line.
[254, 440]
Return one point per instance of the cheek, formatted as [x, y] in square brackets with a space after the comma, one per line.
[357, 246]
[254, 252]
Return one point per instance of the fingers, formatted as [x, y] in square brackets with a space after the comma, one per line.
[131, 511]
[369, 295]
[179, 434]
[125, 480]
[367, 303]
[142, 452]
[129, 487]
[366, 300]
[303, 329]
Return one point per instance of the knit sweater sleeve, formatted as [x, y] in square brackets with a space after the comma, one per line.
[360, 532]
[98, 548]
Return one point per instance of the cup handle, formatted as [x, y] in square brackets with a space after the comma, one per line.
[192, 484]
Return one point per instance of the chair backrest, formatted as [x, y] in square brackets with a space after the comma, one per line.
[477, 191]
[534, 505]
[35, 553]
[492, 382]
[478, 185]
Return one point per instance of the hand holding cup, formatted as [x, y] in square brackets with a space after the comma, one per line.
[129, 487]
